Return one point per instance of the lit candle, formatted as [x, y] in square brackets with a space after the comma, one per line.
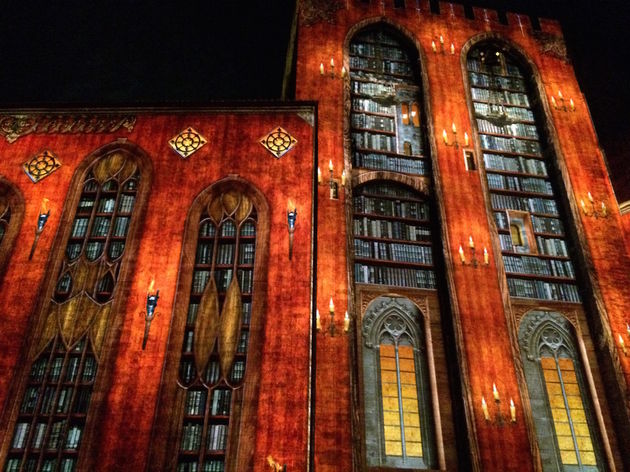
[495, 393]
[623, 345]
[590, 197]
[346, 323]
[332, 62]
[484, 408]
[318, 322]
[486, 257]
[604, 210]
[330, 165]
[572, 104]
[454, 128]
[512, 411]
[444, 136]
[343, 71]
[321, 69]
[583, 205]
[319, 175]
[44, 208]
[331, 306]
[433, 47]
[465, 139]
[151, 285]
[628, 328]
[553, 102]
[452, 48]
[441, 39]
[560, 94]
[343, 178]
[471, 243]
[461, 254]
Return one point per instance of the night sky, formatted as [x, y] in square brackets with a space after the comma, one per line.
[140, 53]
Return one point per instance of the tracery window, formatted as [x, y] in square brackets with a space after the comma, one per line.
[69, 350]
[398, 419]
[563, 417]
[518, 170]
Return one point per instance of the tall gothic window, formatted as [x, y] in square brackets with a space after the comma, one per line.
[11, 215]
[217, 325]
[563, 417]
[518, 169]
[396, 386]
[69, 350]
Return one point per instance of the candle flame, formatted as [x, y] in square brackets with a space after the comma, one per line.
[471, 243]
[332, 62]
[44, 208]
[330, 165]
[151, 285]
[331, 305]
[454, 127]
[465, 139]
[452, 48]
[290, 205]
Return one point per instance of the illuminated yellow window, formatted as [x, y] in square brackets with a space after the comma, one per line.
[517, 236]
[567, 411]
[401, 416]
[404, 108]
[415, 114]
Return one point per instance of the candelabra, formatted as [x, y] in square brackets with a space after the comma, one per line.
[594, 212]
[473, 258]
[42, 218]
[332, 329]
[151, 305]
[454, 143]
[331, 74]
[560, 103]
[333, 184]
[442, 48]
[499, 418]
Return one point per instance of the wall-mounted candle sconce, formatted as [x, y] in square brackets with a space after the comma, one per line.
[594, 212]
[276, 466]
[332, 329]
[152, 300]
[291, 219]
[331, 73]
[473, 258]
[42, 218]
[442, 48]
[333, 184]
[454, 143]
[560, 104]
[498, 419]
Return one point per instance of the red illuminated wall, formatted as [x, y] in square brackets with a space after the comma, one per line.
[233, 148]
[479, 306]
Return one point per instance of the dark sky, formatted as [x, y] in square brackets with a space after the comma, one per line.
[140, 53]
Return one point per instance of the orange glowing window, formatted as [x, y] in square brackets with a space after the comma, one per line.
[415, 114]
[404, 108]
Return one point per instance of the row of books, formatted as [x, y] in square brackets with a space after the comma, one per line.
[94, 249]
[191, 436]
[125, 203]
[369, 105]
[503, 97]
[497, 143]
[380, 123]
[225, 254]
[475, 64]
[238, 371]
[106, 205]
[544, 224]
[390, 229]
[378, 66]
[393, 251]
[497, 81]
[386, 189]
[67, 464]
[55, 439]
[543, 290]
[242, 342]
[536, 266]
[193, 308]
[515, 164]
[371, 88]
[418, 278]
[85, 204]
[116, 249]
[513, 113]
[187, 370]
[380, 50]
[100, 227]
[228, 229]
[519, 184]
[393, 164]
[386, 207]
[217, 437]
[531, 204]
[210, 465]
[207, 229]
[522, 130]
[379, 142]
[552, 246]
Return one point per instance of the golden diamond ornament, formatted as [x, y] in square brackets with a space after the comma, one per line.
[278, 142]
[187, 142]
[41, 165]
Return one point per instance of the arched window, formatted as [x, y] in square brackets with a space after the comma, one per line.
[398, 430]
[217, 325]
[11, 215]
[565, 425]
[99, 222]
[518, 166]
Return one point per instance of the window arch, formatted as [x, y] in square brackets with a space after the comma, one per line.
[519, 168]
[92, 257]
[565, 425]
[398, 432]
[210, 384]
[11, 216]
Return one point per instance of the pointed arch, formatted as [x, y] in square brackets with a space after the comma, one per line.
[11, 216]
[207, 405]
[56, 400]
